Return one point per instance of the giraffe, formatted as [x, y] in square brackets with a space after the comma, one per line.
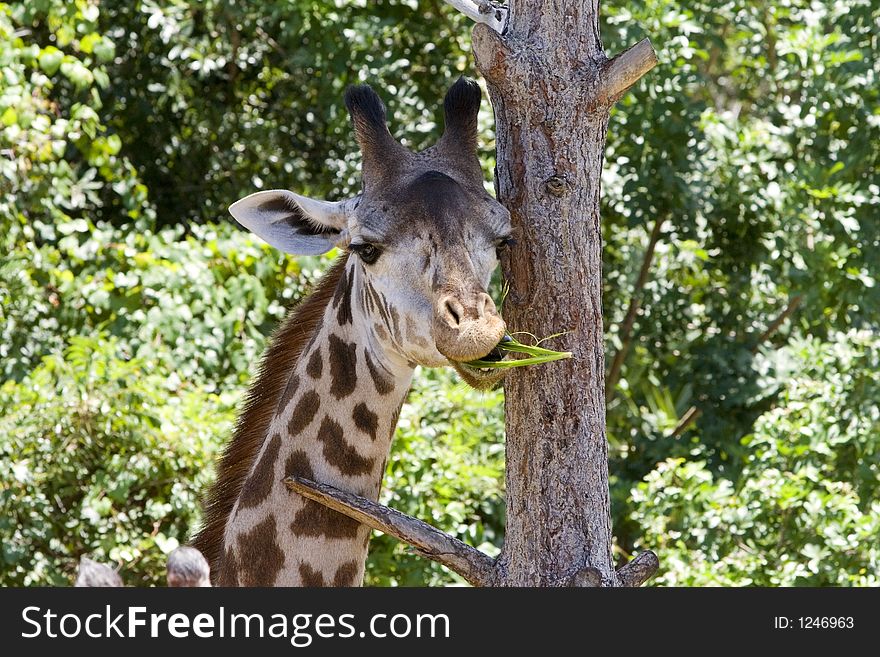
[419, 245]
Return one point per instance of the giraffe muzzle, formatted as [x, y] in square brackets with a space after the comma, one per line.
[467, 326]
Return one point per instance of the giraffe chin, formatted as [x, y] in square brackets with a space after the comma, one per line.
[475, 377]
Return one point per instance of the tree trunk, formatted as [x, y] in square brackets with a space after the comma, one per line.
[551, 88]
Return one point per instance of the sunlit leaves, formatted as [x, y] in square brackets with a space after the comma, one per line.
[50, 59]
[803, 511]
[104, 464]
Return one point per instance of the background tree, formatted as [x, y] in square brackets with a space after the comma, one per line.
[750, 155]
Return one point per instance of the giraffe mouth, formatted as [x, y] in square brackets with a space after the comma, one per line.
[488, 370]
[482, 378]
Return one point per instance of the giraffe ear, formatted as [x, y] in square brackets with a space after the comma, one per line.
[295, 224]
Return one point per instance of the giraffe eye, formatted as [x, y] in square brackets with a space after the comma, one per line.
[369, 253]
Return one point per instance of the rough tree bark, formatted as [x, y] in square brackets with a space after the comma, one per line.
[551, 87]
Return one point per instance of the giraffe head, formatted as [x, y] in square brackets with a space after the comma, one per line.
[423, 236]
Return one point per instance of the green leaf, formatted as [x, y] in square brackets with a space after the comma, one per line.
[50, 59]
[87, 43]
[538, 356]
[105, 50]
[9, 116]
[77, 73]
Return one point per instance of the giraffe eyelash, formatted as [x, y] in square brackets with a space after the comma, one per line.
[367, 252]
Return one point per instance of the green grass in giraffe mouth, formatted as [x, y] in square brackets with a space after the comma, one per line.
[501, 357]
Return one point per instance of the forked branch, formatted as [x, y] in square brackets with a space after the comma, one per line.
[635, 304]
[476, 567]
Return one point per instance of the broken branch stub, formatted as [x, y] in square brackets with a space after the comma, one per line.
[626, 69]
[638, 571]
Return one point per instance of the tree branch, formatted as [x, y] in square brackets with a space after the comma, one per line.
[635, 303]
[492, 14]
[693, 413]
[639, 570]
[690, 416]
[625, 70]
[779, 321]
[476, 567]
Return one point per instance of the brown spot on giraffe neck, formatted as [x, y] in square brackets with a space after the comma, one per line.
[380, 331]
[377, 300]
[339, 453]
[395, 325]
[342, 298]
[412, 333]
[259, 485]
[259, 557]
[365, 420]
[315, 365]
[345, 574]
[298, 465]
[315, 519]
[310, 577]
[383, 385]
[304, 412]
[394, 419]
[228, 571]
[366, 302]
[343, 367]
[289, 392]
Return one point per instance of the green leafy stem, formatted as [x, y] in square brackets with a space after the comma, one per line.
[536, 355]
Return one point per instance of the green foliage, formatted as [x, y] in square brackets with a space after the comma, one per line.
[65, 162]
[229, 97]
[755, 144]
[148, 289]
[804, 508]
[751, 127]
[102, 456]
[132, 311]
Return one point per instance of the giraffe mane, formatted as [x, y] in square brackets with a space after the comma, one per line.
[260, 404]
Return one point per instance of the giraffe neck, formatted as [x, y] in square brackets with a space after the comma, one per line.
[334, 424]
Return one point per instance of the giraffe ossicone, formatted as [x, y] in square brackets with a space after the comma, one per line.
[419, 247]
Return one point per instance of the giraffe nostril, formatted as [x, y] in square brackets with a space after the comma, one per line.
[454, 312]
[483, 303]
